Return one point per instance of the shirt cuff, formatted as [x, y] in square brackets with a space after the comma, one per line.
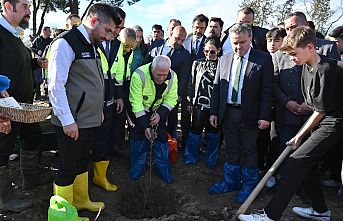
[66, 119]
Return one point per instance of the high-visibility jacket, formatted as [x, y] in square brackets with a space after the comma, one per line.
[143, 91]
[117, 70]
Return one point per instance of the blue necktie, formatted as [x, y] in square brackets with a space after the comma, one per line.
[107, 49]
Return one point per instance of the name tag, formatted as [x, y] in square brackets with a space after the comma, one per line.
[86, 54]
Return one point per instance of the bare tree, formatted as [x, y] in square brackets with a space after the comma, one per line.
[263, 10]
[282, 10]
[37, 5]
[319, 12]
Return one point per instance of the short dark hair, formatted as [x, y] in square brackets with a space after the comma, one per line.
[298, 14]
[120, 12]
[175, 21]
[299, 38]
[45, 28]
[219, 20]
[247, 10]
[72, 16]
[337, 32]
[200, 18]
[213, 40]
[276, 33]
[157, 26]
[12, 2]
[104, 12]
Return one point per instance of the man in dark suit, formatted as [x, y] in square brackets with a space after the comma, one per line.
[259, 42]
[241, 104]
[181, 65]
[194, 43]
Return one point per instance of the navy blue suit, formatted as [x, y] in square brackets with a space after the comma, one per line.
[257, 88]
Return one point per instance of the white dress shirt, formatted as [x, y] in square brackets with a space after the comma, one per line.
[232, 76]
[166, 48]
[60, 59]
[227, 47]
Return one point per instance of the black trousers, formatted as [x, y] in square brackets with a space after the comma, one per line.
[301, 169]
[240, 139]
[74, 156]
[104, 135]
[200, 120]
[185, 121]
[30, 135]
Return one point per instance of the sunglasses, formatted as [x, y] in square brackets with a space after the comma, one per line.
[210, 51]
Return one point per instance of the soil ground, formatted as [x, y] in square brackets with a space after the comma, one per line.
[185, 200]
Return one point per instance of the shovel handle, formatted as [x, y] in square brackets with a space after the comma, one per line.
[244, 207]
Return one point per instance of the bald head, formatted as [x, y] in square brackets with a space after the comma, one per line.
[294, 20]
[177, 37]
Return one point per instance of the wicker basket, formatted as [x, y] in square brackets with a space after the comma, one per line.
[28, 114]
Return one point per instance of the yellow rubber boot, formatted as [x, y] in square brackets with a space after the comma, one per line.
[81, 197]
[67, 193]
[100, 179]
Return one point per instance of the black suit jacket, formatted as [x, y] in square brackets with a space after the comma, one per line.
[180, 64]
[256, 93]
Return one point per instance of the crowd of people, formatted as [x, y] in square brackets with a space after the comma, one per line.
[258, 90]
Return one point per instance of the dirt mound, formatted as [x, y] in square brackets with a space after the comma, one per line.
[141, 201]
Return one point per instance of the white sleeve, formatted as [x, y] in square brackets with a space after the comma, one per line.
[60, 59]
[227, 47]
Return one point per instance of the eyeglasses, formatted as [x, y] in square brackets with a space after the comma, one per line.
[109, 32]
[210, 51]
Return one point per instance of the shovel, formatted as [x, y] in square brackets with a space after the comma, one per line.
[244, 207]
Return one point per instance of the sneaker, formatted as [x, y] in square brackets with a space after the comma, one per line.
[310, 213]
[255, 217]
[271, 182]
[330, 183]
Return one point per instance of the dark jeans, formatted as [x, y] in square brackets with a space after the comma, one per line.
[74, 155]
[30, 135]
[104, 135]
[200, 120]
[301, 169]
[240, 139]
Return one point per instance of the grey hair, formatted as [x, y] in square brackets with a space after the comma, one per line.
[161, 61]
[137, 28]
[128, 34]
[240, 28]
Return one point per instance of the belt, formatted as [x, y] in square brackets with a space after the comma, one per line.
[234, 105]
